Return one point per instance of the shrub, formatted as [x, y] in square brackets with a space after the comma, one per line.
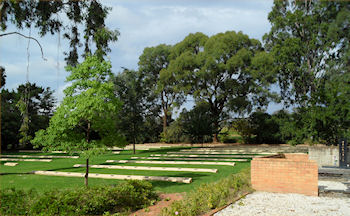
[125, 197]
[210, 196]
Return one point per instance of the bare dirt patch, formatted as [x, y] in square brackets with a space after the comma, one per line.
[166, 200]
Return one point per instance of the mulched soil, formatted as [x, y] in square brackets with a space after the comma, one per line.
[166, 200]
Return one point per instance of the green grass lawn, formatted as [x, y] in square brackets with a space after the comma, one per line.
[19, 176]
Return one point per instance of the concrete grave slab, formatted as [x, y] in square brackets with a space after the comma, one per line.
[10, 164]
[171, 162]
[150, 168]
[219, 153]
[38, 156]
[186, 159]
[112, 176]
[200, 156]
[18, 159]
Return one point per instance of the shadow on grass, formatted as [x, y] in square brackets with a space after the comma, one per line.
[18, 173]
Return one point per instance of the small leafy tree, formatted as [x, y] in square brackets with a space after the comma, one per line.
[197, 123]
[85, 120]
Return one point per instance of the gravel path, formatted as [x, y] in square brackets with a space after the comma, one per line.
[273, 204]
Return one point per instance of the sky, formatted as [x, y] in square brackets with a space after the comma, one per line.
[141, 23]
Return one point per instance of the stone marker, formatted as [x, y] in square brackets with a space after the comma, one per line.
[189, 159]
[112, 176]
[150, 168]
[10, 164]
[17, 159]
[202, 156]
[218, 153]
[116, 152]
[171, 162]
[38, 156]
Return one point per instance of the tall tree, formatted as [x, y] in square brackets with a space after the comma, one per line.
[131, 92]
[301, 46]
[85, 120]
[229, 71]
[153, 65]
[67, 17]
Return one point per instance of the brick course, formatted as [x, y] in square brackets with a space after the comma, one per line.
[286, 173]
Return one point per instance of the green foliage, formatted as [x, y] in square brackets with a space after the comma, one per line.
[2, 77]
[265, 128]
[223, 71]
[129, 89]
[164, 91]
[85, 120]
[245, 130]
[80, 16]
[40, 107]
[125, 197]
[197, 123]
[175, 133]
[210, 196]
[228, 135]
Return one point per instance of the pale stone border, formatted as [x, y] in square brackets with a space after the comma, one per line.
[202, 156]
[10, 164]
[247, 151]
[39, 151]
[112, 176]
[189, 159]
[219, 153]
[150, 168]
[18, 159]
[37, 156]
[172, 162]
[115, 152]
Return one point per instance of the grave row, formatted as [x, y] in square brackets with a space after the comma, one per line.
[113, 176]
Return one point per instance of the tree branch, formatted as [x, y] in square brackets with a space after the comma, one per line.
[41, 48]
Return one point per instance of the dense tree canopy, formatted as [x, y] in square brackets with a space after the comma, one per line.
[153, 65]
[223, 72]
[40, 109]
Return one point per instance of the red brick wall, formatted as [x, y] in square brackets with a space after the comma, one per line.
[292, 174]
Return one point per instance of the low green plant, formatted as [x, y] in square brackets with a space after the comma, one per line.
[125, 197]
[210, 196]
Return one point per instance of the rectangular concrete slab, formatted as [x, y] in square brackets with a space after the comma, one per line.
[189, 159]
[201, 156]
[10, 164]
[218, 153]
[38, 156]
[18, 159]
[150, 168]
[172, 162]
[120, 177]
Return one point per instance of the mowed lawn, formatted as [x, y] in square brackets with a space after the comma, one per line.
[19, 177]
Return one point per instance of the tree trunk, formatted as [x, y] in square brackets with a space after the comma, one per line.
[165, 119]
[87, 160]
[215, 138]
[133, 146]
[87, 172]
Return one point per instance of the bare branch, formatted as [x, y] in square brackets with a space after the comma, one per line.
[41, 48]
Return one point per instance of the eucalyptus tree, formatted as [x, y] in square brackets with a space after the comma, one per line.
[229, 71]
[306, 37]
[85, 120]
[309, 41]
[153, 65]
